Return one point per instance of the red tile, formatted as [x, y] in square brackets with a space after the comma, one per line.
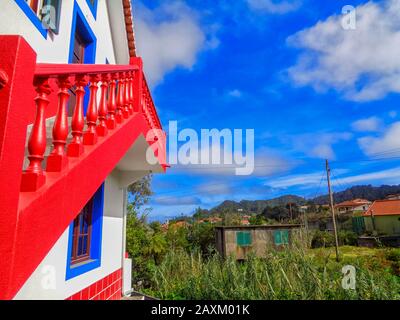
[99, 286]
[85, 294]
[92, 291]
[76, 296]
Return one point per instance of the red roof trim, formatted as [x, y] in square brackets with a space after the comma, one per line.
[129, 27]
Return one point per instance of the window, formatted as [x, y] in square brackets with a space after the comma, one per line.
[81, 235]
[35, 5]
[281, 237]
[85, 237]
[243, 239]
[93, 7]
[44, 14]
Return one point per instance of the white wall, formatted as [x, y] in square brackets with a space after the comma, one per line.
[55, 49]
[52, 270]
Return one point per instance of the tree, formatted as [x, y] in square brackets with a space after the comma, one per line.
[140, 192]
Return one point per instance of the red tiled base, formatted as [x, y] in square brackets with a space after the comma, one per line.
[108, 288]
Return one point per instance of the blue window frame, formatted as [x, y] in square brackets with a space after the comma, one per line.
[80, 26]
[96, 226]
[93, 7]
[32, 16]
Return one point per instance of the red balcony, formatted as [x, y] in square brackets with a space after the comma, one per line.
[53, 156]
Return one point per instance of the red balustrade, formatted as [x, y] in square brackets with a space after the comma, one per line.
[102, 127]
[75, 148]
[90, 136]
[131, 92]
[124, 99]
[33, 177]
[116, 103]
[57, 160]
[112, 103]
[120, 100]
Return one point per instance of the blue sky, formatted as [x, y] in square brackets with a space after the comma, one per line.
[310, 89]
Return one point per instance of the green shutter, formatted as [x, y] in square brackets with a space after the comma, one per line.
[243, 239]
[281, 237]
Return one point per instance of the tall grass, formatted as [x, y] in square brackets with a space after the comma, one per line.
[289, 274]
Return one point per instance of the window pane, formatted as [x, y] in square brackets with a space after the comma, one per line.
[277, 237]
[243, 239]
[80, 246]
[85, 245]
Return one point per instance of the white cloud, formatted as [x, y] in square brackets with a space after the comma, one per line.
[393, 114]
[385, 145]
[274, 6]
[235, 93]
[309, 179]
[369, 124]
[389, 176]
[213, 189]
[168, 37]
[316, 178]
[363, 64]
[319, 145]
[176, 201]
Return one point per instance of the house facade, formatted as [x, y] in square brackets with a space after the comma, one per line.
[78, 127]
[239, 241]
[354, 206]
[383, 218]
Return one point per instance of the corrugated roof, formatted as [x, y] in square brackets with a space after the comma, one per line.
[384, 208]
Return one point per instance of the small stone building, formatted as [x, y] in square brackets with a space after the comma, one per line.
[241, 240]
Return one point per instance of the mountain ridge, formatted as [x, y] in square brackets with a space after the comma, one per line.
[368, 192]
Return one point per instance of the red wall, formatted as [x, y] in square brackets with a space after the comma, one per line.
[108, 288]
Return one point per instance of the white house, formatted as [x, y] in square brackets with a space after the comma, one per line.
[62, 218]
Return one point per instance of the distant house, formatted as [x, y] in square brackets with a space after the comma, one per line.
[245, 221]
[393, 197]
[383, 218]
[354, 206]
[239, 241]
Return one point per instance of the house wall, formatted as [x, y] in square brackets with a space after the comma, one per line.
[387, 225]
[262, 241]
[49, 279]
[56, 48]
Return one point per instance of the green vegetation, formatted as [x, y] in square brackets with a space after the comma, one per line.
[291, 274]
[179, 261]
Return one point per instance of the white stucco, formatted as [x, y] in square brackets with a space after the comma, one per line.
[56, 48]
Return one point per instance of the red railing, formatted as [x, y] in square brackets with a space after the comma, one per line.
[123, 93]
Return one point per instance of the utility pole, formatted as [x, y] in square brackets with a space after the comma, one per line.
[328, 175]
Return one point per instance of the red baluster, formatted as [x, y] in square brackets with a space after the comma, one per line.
[112, 104]
[131, 92]
[125, 99]
[75, 148]
[33, 177]
[102, 127]
[90, 136]
[120, 100]
[57, 160]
